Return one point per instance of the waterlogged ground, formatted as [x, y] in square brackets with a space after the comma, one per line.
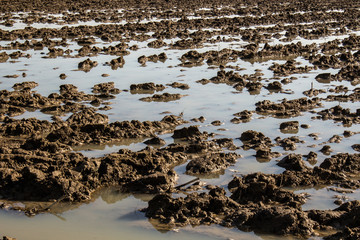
[276, 53]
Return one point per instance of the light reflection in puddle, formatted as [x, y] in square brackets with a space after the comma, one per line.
[110, 216]
[323, 198]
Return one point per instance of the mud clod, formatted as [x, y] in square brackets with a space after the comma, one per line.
[266, 155]
[326, 149]
[146, 87]
[255, 140]
[289, 127]
[165, 97]
[253, 53]
[312, 157]
[155, 141]
[287, 108]
[87, 65]
[356, 147]
[213, 163]
[182, 86]
[187, 132]
[108, 87]
[25, 86]
[62, 76]
[117, 63]
[293, 162]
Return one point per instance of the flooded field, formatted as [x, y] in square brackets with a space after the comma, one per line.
[174, 120]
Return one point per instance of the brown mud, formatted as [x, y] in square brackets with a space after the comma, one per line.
[37, 157]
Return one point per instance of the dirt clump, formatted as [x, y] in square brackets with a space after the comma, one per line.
[87, 127]
[182, 86]
[356, 147]
[323, 77]
[155, 141]
[312, 157]
[326, 149]
[146, 87]
[266, 154]
[293, 162]
[287, 108]
[165, 97]
[87, 65]
[3, 57]
[255, 190]
[87, 117]
[216, 207]
[289, 68]
[342, 162]
[347, 233]
[289, 127]
[339, 114]
[53, 175]
[255, 140]
[313, 92]
[103, 88]
[332, 171]
[289, 143]
[62, 76]
[213, 163]
[187, 132]
[242, 117]
[152, 58]
[274, 86]
[156, 44]
[117, 63]
[195, 209]
[25, 86]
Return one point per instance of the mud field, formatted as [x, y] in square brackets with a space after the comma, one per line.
[179, 119]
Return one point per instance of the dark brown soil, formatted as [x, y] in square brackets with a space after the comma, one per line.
[165, 97]
[37, 160]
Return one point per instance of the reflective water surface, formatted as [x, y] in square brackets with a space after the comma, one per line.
[114, 215]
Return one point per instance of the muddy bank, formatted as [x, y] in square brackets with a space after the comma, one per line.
[257, 55]
[85, 127]
[69, 99]
[214, 207]
[41, 165]
[46, 176]
[259, 202]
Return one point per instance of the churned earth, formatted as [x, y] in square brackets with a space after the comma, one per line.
[237, 118]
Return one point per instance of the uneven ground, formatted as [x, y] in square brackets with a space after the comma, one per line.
[262, 74]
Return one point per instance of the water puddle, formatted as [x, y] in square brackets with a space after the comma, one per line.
[114, 215]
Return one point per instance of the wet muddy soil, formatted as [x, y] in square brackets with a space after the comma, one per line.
[217, 111]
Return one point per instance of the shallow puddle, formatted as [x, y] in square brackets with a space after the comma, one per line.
[111, 215]
[114, 215]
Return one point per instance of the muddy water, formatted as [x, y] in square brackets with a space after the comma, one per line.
[113, 215]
